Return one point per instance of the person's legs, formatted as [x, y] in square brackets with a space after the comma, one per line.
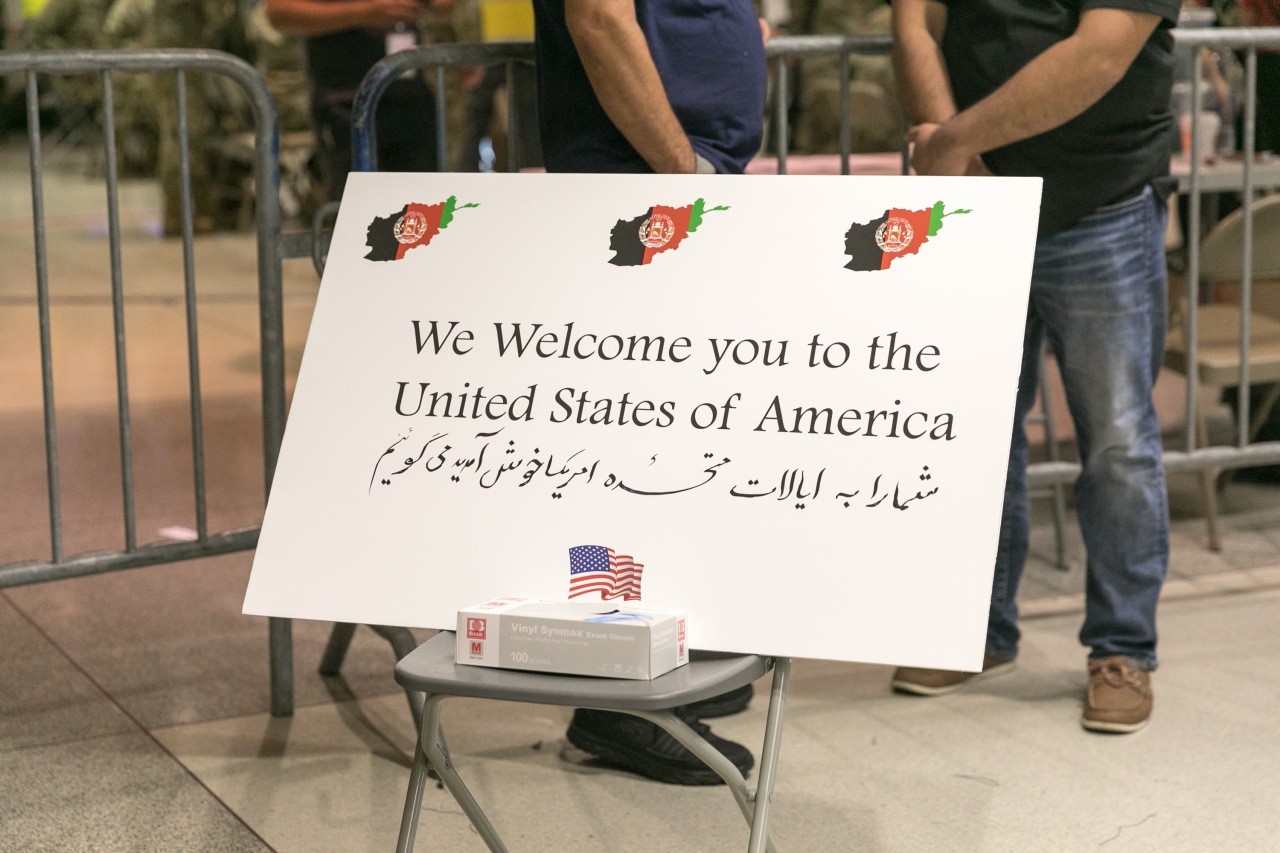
[1015, 521]
[1098, 292]
[332, 120]
[1102, 291]
[1015, 529]
[479, 115]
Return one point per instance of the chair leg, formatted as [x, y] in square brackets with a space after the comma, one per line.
[710, 756]
[748, 802]
[401, 639]
[413, 801]
[402, 642]
[769, 757]
[439, 760]
[280, 650]
[336, 651]
[1263, 411]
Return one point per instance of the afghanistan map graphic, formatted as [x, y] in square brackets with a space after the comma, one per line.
[659, 229]
[877, 244]
[390, 237]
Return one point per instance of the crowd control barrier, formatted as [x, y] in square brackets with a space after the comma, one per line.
[1245, 452]
[271, 248]
[440, 56]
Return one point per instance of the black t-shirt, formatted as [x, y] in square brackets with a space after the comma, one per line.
[1104, 155]
[710, 58]
[337, 62]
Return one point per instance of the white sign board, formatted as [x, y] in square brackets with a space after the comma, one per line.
[788, 399]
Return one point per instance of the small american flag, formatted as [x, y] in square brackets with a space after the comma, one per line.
[595, 568]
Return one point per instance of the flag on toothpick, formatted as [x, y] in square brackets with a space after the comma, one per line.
[595, 568]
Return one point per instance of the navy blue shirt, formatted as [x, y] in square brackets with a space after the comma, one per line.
[711, 60]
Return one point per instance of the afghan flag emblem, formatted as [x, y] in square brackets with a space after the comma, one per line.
[390, 237]
[659, 229]
[876, 244]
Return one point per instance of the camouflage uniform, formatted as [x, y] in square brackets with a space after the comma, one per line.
[480, 109]
[137, 119]
[458, 22]
[282, 62]
[72, 25]
[873, 98]
[90, 24]
[213, 102]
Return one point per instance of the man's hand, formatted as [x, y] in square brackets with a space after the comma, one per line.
[385, 14]
[934, 153]
[616, 58]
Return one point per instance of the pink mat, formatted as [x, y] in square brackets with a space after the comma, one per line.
[886, 163]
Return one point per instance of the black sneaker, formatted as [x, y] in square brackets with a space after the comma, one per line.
[643, 748]
[724, 705]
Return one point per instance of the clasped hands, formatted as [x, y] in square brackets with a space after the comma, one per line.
[936, 151]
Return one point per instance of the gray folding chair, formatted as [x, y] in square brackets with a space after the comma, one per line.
[431, 669]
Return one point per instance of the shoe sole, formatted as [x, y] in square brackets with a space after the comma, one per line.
[1113, 728]
[641, 765]
[924, 690]
[710, 710]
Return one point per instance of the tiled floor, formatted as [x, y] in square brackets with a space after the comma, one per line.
[1003, 766]
[133, 706]
[122, 792]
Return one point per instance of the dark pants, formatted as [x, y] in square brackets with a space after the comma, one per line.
[480, 113]
[406, 132]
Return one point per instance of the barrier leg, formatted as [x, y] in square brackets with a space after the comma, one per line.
[1209, 487]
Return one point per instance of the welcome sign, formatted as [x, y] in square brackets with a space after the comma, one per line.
[782, 404]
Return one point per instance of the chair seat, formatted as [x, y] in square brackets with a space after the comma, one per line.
[1218, 353]
[431, 669]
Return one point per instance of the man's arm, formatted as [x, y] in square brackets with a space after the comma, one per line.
[917, 61]
[621, 70]
[321, 17]
[1049, 91]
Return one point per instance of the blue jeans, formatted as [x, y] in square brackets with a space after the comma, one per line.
[1099, 291]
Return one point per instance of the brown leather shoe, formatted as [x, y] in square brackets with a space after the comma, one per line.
[1119, 696]
[935, 682]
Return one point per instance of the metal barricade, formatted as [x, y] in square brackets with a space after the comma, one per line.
[782, 48]
[271, 248]
[1245, 453]
[441, 56]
